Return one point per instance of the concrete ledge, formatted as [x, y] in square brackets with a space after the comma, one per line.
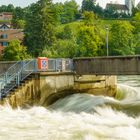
[45, 73]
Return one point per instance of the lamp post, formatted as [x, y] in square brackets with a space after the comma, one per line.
[107, 31]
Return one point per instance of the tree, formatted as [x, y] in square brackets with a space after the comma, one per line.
[19, 16]
[88, 18]
[39, 29]
[19, 24]
[70, 11]
[66, 33]
[58, 8]
[136, 23]
[15, 51]
[88, 42]
[122, 39]
[88, 5]
[65, 45]
[9, 8]
[63, 49]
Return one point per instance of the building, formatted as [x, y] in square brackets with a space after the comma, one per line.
[7, 35]
[122, 8]
[119, 8]
[6, 16]
[5, 25]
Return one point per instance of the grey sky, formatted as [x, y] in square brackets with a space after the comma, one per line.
[24, 3]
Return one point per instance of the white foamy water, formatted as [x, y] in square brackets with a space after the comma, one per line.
[77, 117]
[38, 123]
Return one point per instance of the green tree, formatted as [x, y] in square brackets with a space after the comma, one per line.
[15, 51]
[70, 11]
[66, 33]
[63, 48]
[39, 29]
[88, 5]
[136, 23]
[122, 39]
[137, 16]
[19, 24]
[88, 42]
[8, 8]
[58, 8]
[91, 5]
[65, 45]
[88, 18]
[19, 16]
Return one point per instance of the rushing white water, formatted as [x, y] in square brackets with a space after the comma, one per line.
[77, 117]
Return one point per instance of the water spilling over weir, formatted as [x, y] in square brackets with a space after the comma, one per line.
[78, 117]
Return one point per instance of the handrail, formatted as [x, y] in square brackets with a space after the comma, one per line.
[13, 76]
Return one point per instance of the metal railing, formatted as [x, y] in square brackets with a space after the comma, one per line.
[14, 75]
[22, 69]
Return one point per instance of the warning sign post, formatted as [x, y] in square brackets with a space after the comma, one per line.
[42, 63]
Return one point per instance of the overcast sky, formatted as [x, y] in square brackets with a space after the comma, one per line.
[24, 3]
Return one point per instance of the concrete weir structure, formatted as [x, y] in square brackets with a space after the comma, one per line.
[44, 88]
[62, 77]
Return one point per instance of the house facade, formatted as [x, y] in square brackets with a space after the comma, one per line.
[119, 8]
[8, 35]
[122, 8]
[6, 16]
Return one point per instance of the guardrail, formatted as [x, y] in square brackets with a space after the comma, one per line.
[22, 69]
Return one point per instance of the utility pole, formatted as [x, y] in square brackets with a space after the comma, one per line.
[107, 31]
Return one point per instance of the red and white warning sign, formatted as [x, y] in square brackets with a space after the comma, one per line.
[42, 63]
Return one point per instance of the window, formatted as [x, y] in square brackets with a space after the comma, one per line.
[4, 43]
[4, 36]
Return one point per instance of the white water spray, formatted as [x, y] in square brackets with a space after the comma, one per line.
[77, 117]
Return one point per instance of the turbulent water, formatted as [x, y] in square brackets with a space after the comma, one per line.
[78, 117]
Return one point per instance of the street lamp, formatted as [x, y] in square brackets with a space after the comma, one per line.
[107, 31]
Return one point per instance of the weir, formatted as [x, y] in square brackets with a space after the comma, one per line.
[91, 75]
[43, 87]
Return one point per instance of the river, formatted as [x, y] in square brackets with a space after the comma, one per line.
[78, 117]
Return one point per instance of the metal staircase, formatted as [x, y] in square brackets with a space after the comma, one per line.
[15, 75]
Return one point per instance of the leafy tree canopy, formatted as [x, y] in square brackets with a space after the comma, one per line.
[39, 29]
[122, 38]
[15, 51]
[88, 42]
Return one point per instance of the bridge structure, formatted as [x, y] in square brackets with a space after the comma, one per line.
[112, 65]
[17, 73]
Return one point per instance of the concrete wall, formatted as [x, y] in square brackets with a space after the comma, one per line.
[25, 95]
[119, 65]
[45, 88]
[54, 86]
[97, 85]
